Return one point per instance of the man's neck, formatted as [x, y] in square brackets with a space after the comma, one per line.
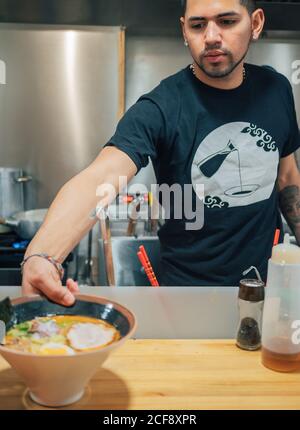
[229, 82]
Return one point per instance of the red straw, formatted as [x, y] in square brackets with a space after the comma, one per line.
[148, 266]
[276, 237]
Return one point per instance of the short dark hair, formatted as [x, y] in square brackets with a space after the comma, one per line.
[250, 5]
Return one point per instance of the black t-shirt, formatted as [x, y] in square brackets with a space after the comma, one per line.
[229, 140]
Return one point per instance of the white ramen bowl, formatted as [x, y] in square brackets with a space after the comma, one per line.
[59, 380]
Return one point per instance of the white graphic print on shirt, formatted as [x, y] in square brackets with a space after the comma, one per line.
[237, 163]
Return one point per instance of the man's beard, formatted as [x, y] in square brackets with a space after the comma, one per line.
[215, 72]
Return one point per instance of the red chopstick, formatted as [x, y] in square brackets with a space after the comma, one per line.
[276, 237]
[146, 268]
[143, 251]
[144, 259]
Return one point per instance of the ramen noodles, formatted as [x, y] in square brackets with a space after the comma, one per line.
[61, 335]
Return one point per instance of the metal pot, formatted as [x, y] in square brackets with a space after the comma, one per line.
[12, 182]
[11, 190]
[27, 223]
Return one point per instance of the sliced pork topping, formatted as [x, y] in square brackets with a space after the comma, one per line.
[89, 336]
[44, 328]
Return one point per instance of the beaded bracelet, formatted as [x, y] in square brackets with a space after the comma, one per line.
[51, 260]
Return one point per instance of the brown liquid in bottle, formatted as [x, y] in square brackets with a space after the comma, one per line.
[282, 356]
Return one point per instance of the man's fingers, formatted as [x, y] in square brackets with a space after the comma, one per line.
[72, 286]
[57, 293]
[53, 290]
[40, 277]
[28, 289]
[51, 286]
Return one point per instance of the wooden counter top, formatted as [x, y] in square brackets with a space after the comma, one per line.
[174, 374]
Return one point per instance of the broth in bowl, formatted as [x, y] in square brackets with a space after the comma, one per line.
[61, 335]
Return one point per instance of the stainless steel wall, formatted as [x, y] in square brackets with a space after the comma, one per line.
[150, 59]
[60, 102]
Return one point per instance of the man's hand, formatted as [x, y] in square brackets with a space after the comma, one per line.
[41, 277]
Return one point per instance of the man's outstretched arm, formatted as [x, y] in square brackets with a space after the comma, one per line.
[67, 222]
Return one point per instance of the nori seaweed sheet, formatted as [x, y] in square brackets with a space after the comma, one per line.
[6, 310]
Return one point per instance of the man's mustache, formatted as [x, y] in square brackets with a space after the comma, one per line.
[214, 48]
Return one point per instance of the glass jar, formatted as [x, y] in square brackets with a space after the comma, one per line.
[251, 303]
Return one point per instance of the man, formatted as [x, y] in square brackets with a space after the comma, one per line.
[223, 123]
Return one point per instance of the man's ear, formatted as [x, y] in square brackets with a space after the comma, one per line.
[258, 22]
[182, 21]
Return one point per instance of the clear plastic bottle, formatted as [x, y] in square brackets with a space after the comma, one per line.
[281, 319]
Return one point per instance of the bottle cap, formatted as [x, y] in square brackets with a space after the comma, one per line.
[286, 253]
[252, 290]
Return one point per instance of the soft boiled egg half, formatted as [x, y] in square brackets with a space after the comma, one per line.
[52, 348]
[84, 337]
